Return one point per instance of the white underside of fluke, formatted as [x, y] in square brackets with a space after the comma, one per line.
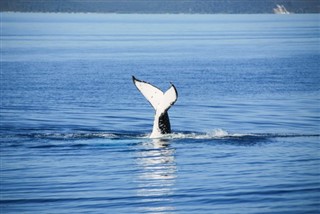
[161, 102]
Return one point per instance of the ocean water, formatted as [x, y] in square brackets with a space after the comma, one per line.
[74, 129]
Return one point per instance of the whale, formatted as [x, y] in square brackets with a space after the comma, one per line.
[161, 103]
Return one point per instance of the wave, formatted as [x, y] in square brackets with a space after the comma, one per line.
[222, 134]
[214, 134]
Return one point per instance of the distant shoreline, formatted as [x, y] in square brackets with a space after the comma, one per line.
[102, 13]
[162, 6]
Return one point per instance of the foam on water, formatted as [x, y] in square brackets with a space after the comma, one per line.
[214, 134]
[223, 134]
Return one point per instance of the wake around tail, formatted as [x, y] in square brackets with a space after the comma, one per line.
[161, 102]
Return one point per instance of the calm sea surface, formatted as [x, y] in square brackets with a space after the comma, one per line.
[74, 129]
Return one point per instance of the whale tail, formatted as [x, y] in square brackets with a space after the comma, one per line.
[161, 102]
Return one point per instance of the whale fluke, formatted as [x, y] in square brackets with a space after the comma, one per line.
[161, 102]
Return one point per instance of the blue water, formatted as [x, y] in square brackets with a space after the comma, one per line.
[74, 129]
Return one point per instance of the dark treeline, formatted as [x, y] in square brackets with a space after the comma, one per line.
[159, 6]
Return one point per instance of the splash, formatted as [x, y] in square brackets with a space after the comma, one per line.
[214, 134]
[223, 134]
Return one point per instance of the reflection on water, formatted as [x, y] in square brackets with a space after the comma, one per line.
[157, 176]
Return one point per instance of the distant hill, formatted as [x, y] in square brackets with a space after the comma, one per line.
[159, 6]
